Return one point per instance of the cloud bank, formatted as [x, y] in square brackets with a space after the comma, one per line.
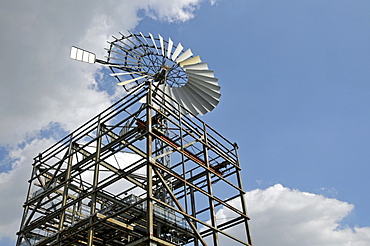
[282, 216]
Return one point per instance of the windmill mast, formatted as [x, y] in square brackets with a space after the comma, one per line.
[146, 170]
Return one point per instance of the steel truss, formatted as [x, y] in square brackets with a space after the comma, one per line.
[109, 183]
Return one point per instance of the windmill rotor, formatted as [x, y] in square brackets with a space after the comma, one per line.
[136, 58]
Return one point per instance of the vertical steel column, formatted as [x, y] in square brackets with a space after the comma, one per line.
[209, 186]
[182, 158]
[90, 237]
[242, 196]
[66, 186]
[149, 169]
[193, 212]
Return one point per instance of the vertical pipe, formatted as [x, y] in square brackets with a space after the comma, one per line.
[209, 186]
[90, 237]
[242, 196]
[149, 169]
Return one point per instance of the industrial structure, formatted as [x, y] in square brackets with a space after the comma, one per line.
[145, 171]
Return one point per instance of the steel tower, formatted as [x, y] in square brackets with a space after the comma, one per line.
[145, 171]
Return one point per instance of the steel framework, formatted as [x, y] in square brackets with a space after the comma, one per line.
[137, 174]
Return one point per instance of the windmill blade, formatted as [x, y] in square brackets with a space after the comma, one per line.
[168, 93]
[184, 56]
[206, 73]
[196, 101]
[134, 45]
[137, 52]
[174, 99]
[142, 35]
[199, 66]
[184, 101]
[132, 80]
[143, 46]
[203, 78]
[162, 45]
[155, 45]
[205, 86]
[177, 51]
[209, 95]
[169, 50]
[208, 104]
[189, 101]
[190, 61]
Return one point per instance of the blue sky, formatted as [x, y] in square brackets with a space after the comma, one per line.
[295, 90]
[294, 77]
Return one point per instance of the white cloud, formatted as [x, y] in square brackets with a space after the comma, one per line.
[282, 216]
[40, 84]
[172, 12]
[14, 186]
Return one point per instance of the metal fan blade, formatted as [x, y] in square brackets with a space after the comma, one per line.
[143, 46]
[132, 80]
[176, 101]
[177, 52]
[132, 43]
[199, 66]
[168, 97]
[195, 100]
[204, 78]
[131, 47]
[184, 56]
[142, 35]
[162, 45]
[209, 105]
[185, 101]
[207, 73]
[175, 96]
[208, 88]
[155, 45]
[169, 50]
[190, 61]
[196, 107]
[167, 91]
[209, 95]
